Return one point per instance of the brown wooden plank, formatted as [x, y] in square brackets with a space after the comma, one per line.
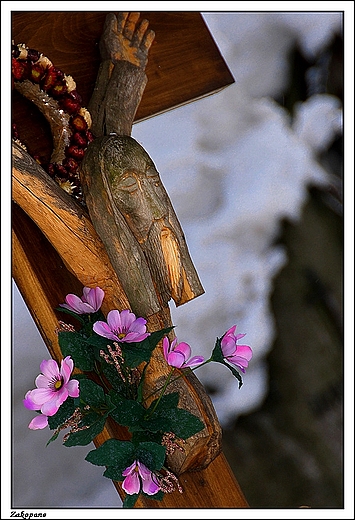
[184, 62]
[44, 279]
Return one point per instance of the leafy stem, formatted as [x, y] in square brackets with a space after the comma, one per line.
[98, 372]
[161, 394]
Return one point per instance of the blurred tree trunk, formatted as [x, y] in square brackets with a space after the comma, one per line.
[289, 453]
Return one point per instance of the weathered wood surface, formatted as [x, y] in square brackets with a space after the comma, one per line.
[77, 251]
[184, 62]
[70, 232]
[133, 215]
[44, 278]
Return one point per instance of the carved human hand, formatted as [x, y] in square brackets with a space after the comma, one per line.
[123, 40]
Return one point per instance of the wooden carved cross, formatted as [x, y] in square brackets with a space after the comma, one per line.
[127, 240]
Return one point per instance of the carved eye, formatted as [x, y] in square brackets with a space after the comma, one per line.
[128, 183]
[153, 176]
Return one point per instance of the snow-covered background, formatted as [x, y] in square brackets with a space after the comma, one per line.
[234, 164]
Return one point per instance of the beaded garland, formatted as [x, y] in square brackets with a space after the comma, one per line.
[55, 95]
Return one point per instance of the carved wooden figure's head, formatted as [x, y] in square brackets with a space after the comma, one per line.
[139, 195]
[137, 188]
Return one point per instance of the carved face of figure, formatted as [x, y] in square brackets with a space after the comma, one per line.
[136, 187]
[138, 197]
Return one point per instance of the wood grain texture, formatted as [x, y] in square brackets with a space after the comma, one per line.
[58, 242]
[55, 247]
[184, 62]
[136, 221]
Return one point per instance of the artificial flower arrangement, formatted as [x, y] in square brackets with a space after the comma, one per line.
[113, 349]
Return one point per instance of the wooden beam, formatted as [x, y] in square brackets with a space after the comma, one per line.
[184, 62]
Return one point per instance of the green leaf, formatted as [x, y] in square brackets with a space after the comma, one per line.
[168, 417]
[127, 413]
[92, 394]
[84, 437]
[74, 345]
[139, 436]
[99, 341]
[113, 453]
[158, 422]
[151, 454]
[115, 472]
[137, 353]
[183, 423]
[71, 313]
[168, 401]
[217, 355]
[113, 377]
[53, 438]
[62, 415]
[130, 501]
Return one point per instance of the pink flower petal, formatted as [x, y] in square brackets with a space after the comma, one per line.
[196, 360]
[135, 337]
[75, 303]
[176, 359]
[66, 368]
[73, 388]
[42, 381]
[51, 406]
[129, 470]
[127, 318]
[138, 325]
[184, 348]
[114, 320]
[102, 329]
[165, 347]
[39, 396]
[231, 331]
[50, 368]
[28, 402]
[244, 351]
[150, 487]
[131, 484]
[39, 422]
[228, 346]
[93, 297]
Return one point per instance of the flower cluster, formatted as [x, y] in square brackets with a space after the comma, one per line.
[58, 90]
[111, 356]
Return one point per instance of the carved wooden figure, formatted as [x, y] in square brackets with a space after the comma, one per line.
[131, 244]
[120, 180]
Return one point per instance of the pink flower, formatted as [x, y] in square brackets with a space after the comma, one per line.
[238, 355]
[39, 422]
[54, 386]
[90, 301]
[138, 474]
[177, 354]
[122, 326]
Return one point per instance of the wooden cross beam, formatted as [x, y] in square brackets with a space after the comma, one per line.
[58, 246]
